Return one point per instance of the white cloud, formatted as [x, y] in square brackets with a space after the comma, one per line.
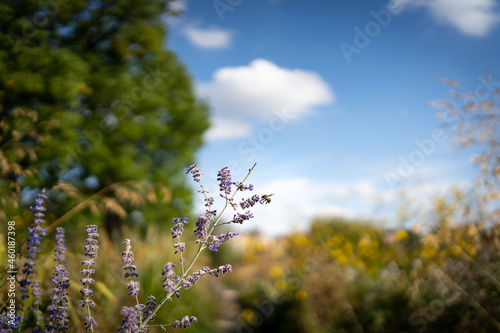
[178, 5]
[471, 17]
[297, 201]
[261, 87]
[224, 128]
[212, 38]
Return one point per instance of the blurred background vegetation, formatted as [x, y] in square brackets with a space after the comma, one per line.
[96, 110]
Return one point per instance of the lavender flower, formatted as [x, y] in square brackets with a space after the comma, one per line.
[133, 287]
[240, 218]
[60, 249]
[129, 269]
[179, 247]
[150, 307]
[59, 309]
[89, 323]
[209, 201]
[224, 178]
[203, 223]
[6, 323]
[168, 282]
[185, 322]
[221, 270]
[218, 240]
[168, 270]
[87, 281]
[177, 233]
[195, 171]
[37, 294]
[35, 236]
[131, 318]
[250, 202]
[178, 228]
[231, 202]
[190, 280]
[242, 187]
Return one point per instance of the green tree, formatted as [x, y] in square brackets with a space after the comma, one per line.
[121, 106]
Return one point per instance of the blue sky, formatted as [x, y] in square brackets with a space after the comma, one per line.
[331, 97]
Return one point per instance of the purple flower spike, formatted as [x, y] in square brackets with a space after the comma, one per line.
[185, 322]
[242, 187]
[86, 292]
[221, 270]
[150, 307]
[179, 247]
[250, 202]
[240, 218]
[195, 171]
[168, 281]
[130, 320]
[35, 236]
[89, 322]
[129, 269]
[168, 270]
[224, 179]
[218, 240]
[203, 223]
[209, 201]
[178, 228]
[59, 314]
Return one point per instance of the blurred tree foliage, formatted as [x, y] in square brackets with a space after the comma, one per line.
[92, 100]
